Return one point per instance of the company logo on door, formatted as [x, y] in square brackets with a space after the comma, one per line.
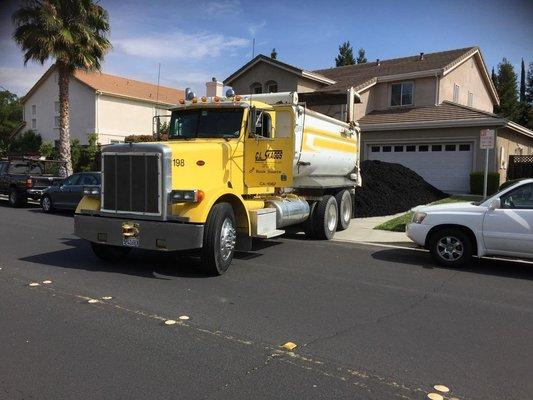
[268, 155]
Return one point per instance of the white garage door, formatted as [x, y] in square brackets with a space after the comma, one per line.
[446, 166]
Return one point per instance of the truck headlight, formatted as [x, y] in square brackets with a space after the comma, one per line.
[186, 196]
[418, 217]
[91, 191]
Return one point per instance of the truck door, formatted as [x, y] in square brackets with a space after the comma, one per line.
[269, 148]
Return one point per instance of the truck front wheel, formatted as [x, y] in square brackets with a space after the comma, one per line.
[219, 239]
[107, 252]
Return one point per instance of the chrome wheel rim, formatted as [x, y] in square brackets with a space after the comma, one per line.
[227, 239]
[450, 248]
[346, 210]
[46, 204]
[332, 217]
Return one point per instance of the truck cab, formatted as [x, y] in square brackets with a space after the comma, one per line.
[232, 169]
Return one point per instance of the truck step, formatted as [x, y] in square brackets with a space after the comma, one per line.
[268, 235]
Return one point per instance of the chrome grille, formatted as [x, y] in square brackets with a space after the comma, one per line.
[131, 183]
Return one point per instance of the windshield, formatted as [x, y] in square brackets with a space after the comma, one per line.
[206, 123]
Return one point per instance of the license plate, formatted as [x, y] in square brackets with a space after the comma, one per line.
[130, 242]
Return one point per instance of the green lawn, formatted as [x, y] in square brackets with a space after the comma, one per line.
[398, 224]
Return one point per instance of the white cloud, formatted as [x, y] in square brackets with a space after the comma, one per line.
[179, 45]
[223, 7]
[20, 80]
[253, 29]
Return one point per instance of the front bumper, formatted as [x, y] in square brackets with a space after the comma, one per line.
[35, 193]
[152, 235]
[417, 233]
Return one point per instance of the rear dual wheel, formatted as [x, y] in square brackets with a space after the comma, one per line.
[323, 219]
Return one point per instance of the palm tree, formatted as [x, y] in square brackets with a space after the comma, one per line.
[71, 32]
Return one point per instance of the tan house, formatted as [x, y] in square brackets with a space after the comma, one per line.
[424, 111]
[111, 106]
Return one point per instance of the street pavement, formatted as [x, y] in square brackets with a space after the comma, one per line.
[369, 322]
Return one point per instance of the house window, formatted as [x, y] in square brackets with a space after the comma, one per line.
[33, 123]
[33, 109]
[386, 149]
[464, 147]
[56, 107]
[456, 93]
[256, 88]
[470, 99]
[423, 147]
[410, 148]
[56, 122]
[401, 94]
[398, 149]
[436, 147]
[375, 149]
[271, 87]
[449, 147]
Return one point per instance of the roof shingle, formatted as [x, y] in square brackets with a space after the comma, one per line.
[359, 74]
[446, 111]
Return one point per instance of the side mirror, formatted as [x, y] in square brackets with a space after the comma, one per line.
[495, 204]
[252, 118]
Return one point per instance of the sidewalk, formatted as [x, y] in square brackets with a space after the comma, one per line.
[362, 230]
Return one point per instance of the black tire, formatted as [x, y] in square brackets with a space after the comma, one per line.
[16, 199]
[450, 247]
[325, 218]
[344, 205]
[220, 222]
[107, 252]
[46, 204]
[308, 223]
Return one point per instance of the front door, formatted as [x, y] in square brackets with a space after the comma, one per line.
[509, 229]
[269, 149]
[63, 196]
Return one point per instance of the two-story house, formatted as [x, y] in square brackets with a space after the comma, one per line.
[425, 111]
[111, 106]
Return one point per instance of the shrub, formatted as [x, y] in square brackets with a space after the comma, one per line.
[139, 138]
[477, 179]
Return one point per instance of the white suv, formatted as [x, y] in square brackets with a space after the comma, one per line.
[502, 225]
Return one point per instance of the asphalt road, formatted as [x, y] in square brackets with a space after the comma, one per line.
[369, 322]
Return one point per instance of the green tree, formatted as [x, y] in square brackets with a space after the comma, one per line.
[46, 150]
[524, 109]
[361, 58]
[506, 85]
[522, 81]
[27, 143]
[274, 54]
[529, 95]
[345, 56]
[10, 115]
[71, 32]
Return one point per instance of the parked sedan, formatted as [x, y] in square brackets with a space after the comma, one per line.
[68, 193]
[500, 226]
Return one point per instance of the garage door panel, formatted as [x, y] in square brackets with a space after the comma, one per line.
[446, 170]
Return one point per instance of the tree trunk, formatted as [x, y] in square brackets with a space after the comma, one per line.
[64, 118]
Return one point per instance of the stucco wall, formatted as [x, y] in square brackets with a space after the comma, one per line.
[263, 72]
[82, 110]
[468, 77]
[118, 118]
[508, 144]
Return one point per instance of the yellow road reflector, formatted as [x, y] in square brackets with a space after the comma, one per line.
[34, 284]
[435, 396]
[107, 298]
[289, 346]
[170, 322]
[47, 282]
[183, 317]
[92, 301]
[441, 388]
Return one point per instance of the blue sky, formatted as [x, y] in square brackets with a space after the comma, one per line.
[196, 40]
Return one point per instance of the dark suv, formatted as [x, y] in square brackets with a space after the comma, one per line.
[27, 178]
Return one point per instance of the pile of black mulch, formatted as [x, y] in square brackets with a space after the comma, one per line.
[390, 189]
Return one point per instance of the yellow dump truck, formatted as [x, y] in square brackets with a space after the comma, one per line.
[234, 168]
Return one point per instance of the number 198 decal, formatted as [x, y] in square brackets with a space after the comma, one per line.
[178, 162]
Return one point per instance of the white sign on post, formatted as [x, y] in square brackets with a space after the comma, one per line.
[486, 142]
[486, 139]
